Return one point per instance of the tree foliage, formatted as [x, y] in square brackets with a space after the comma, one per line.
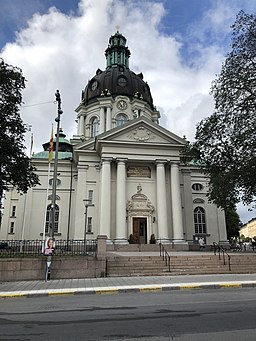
[15, 165]
[232, 223]
[226, 141]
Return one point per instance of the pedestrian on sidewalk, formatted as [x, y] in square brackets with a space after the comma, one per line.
[201, 244]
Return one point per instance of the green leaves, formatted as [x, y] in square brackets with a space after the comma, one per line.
[227, 139]
[15, 166]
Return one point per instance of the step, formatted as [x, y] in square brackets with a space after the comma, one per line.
[180, 264]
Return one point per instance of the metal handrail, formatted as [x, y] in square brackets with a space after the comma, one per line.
[219, 248]
[165, 255]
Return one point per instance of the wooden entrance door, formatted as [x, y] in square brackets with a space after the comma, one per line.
[140, 230]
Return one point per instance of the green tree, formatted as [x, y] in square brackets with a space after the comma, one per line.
[226, 140]
[15, 167]
[232, 223]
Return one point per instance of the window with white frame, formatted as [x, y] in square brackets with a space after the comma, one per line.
[13, 214]
[121, 119]
[90, 196]
[94, 126]
[199, 220]
[12, 228]
[89, 225]
[48, 219]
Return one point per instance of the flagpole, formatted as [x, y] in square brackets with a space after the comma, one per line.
[50, 154]
[54, 186]
[31, 144]
[25, 195]
[46, 202]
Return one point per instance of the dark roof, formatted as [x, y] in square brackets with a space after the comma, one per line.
[117, 79]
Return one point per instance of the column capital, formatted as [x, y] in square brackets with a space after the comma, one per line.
[121, 160]
[82, 167]
[106, 160]
[160, 161]
[175, 163]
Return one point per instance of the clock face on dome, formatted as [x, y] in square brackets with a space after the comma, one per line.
[122, 105]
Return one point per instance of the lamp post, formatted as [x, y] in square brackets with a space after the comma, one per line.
[54, 185]
[87, 203]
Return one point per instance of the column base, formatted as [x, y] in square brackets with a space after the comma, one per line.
[180, 245]
[179, 241]
[109, 242]
[120, 241]
[163, 241]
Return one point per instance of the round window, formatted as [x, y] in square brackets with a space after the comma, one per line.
[197, 187]
[122, 81]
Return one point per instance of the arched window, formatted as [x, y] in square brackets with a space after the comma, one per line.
[94, 126]
[48, 218]
[199, 220]
[121, 119]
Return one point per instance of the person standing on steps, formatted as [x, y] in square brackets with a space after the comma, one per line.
[201, 244]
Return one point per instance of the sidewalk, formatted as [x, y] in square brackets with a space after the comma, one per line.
[124, 284]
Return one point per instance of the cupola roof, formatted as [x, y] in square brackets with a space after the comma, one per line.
[117, 79]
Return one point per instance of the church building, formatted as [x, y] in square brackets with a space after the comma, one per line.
[121, 175]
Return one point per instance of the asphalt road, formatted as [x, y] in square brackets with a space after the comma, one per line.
[221, 314]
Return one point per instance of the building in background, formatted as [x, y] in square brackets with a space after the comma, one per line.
[125, 164]
[248, 229]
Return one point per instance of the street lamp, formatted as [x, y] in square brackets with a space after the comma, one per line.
[54, 185]
[87, 203]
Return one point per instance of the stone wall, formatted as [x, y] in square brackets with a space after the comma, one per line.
[22, 268]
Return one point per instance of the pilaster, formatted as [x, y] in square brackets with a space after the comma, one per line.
[109, 120]
[161, 202]
[102, 120]
[105, 198]
[178, 236]
[80, 196]
[121, 234]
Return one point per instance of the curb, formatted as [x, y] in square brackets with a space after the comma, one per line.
[124, 289]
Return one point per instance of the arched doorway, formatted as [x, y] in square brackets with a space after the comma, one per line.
[139, 230]
[140, 218]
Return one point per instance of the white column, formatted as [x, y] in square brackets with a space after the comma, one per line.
[81, 125]
[161, 202]
[105, 199]
[108, 119]
[102, 121]
[176, 204]
[81, 194]
[121, 234]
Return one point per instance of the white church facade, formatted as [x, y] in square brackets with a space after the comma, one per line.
[122, 169]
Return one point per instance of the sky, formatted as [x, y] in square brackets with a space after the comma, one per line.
[178, 45]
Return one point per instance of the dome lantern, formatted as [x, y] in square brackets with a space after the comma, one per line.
[117, 53]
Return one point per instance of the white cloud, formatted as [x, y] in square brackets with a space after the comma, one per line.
[58, 51]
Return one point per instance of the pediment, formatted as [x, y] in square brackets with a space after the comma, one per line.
[142, 131]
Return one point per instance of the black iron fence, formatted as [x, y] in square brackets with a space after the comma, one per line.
[22, 248]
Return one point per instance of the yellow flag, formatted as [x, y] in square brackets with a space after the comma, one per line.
[51, 147]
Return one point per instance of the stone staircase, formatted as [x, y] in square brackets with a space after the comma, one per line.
[189, 263]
